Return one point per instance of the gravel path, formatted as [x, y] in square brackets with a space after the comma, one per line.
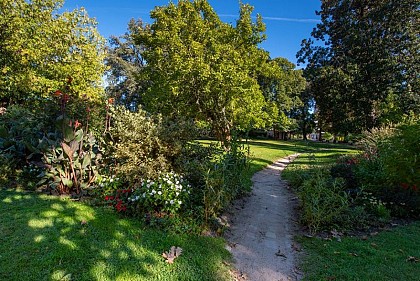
[261, 231]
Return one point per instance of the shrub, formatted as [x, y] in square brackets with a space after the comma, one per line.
[161, 197]
[20, 129]
[165, 195]
[225, 179]
[390, 166]
[70, 163]
[323, 200]
[141, 146]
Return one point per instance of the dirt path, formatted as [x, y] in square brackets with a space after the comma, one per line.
[261, 231]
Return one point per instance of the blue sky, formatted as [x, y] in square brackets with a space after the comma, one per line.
[287, 21]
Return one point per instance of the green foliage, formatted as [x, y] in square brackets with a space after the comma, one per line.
[323, 200]
[200, 67]
[71, 163]
[165, 195]
[225, 179]
[143, 146]
[41, 49]
[125, 65]
[365, 73]
[390, 166]
[20, 130]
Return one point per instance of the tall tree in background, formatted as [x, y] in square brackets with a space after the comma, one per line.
[42, 49]
[368, 70]
[126, 63]
[282, 86]
[202, 68]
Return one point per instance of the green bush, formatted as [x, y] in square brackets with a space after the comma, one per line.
[166, 195]
[142, 146]
[323, 200]
[20, 131]
[390, 166]
[225, 179]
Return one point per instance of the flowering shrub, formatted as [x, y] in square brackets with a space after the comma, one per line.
[119, 200]
[108, 184]
[166, 194]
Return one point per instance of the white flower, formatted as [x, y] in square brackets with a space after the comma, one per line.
[160, 192]
[179, 202]
[177, 193]
[153, 191]
[144, 195]
[172, 202]
[111, 180]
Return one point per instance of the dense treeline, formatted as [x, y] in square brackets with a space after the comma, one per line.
[363, 63]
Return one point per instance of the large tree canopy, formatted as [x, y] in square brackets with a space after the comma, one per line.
[367, 70]
[42, 49]
[203, 68]
[126, 63]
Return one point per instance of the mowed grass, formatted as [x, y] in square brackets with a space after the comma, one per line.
[385, 256]
[49, 238]
[391, 255]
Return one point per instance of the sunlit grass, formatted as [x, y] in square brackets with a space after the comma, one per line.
[50, 238]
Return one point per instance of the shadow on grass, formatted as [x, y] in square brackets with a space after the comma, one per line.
[49, 238]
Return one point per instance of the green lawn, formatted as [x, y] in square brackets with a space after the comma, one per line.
[383, 257]
[43, 238]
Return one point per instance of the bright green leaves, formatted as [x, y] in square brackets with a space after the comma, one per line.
[41, 48]
[202, 68]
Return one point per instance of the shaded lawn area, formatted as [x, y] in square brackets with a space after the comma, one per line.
[43, 238]
[382, 257]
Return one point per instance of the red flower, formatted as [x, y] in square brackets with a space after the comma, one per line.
[69, 80]
[415, 188]
[77, 124]
[109, 198]
[57, 93]
[405, 186]
[111, 100]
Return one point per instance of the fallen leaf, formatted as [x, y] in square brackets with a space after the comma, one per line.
[83, 222]
[374, 233]
[364, 237]
[413, 259]
[353, 254]
[374, 245]
[331, 278]
[336, 253]
[172, 254]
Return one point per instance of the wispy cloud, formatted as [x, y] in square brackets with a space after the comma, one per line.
[277, 18]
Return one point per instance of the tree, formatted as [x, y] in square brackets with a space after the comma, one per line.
[367, 72]
[41, 50]
[125, 63]
[202, 68]
[282, 86]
